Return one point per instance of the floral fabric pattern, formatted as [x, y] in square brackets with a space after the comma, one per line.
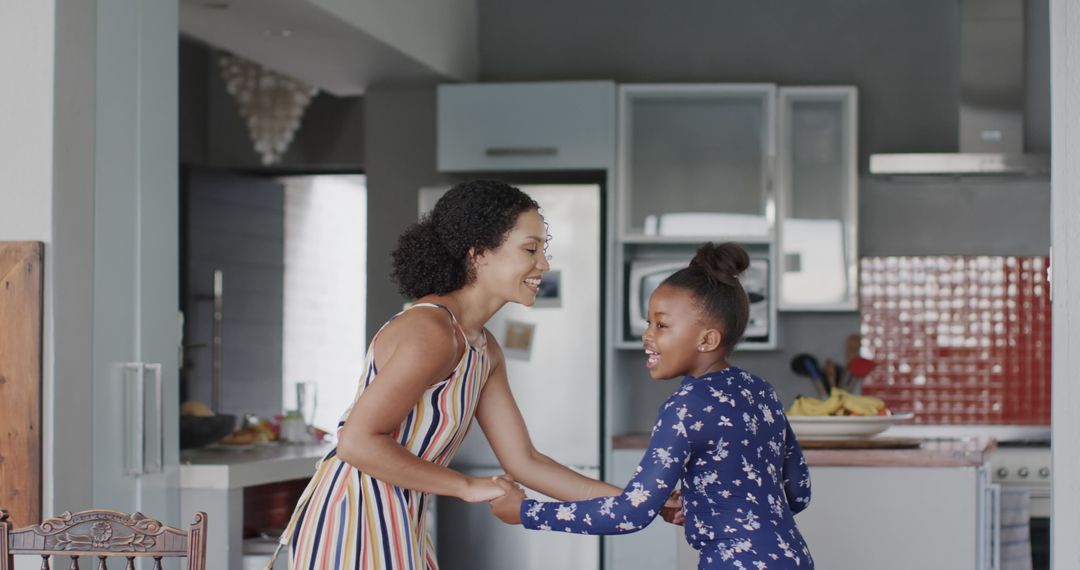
[724, 439]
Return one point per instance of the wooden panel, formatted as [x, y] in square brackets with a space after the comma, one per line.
[20, 379]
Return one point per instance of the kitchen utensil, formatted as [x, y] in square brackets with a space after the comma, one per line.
[830, 374]
[859, 368]
[805, 364]
[851, 351]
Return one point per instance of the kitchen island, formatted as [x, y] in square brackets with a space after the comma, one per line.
[213, 480]
[930, 506]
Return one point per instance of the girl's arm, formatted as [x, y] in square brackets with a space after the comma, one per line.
[635, 507]
[417, 349]
[499, 417]
[796, 473]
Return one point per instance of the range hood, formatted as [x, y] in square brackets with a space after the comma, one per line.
[991, 138]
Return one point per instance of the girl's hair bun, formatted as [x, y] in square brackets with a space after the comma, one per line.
[723, 263]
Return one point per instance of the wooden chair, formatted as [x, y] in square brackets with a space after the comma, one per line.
[103, 534]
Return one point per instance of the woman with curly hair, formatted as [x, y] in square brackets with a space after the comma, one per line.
[429, 370]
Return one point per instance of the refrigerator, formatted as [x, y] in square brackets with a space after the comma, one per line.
[553, 354]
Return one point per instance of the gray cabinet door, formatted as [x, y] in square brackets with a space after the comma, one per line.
[135, 266]
[503, 127]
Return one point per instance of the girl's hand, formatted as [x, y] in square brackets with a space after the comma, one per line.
[672, 511]
[508, 507]
[482, 489]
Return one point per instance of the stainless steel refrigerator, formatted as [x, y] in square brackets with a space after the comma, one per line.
[553, 354]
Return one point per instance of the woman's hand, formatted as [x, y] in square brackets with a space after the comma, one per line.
[672, 511]
[482, 489]
[508, 507]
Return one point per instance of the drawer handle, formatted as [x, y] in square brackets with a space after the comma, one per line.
[497, 151]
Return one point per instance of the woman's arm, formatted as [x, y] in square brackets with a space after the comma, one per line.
[414, 351]
[501, 420]
[642, 499]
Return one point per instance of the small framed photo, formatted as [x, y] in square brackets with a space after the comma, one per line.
[550, 294]
[517, 340]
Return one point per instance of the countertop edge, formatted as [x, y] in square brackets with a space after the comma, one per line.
[963, 452]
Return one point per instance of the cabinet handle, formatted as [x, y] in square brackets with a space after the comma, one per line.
[994, 500]
[511, 151]
[134, 424]
[158, 466]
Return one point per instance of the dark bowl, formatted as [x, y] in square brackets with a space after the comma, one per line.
[197, 431]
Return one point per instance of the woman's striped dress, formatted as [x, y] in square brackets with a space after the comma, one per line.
[348, 520]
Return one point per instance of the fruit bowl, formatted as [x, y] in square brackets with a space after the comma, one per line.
[843, 427]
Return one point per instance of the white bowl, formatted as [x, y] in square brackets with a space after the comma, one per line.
[843, 427]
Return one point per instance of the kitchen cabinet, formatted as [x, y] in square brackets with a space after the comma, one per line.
[695, 161]
[899, 517]
[695, 164]
[136, 328]
[817, 198]
[213, 481]
[506, 127]
[893, 509]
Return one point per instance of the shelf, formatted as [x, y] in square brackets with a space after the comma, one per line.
[636, 345]
[647, 239]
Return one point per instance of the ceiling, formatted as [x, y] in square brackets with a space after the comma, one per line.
[302, 39]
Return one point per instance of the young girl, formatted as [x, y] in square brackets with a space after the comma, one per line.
[722, 436]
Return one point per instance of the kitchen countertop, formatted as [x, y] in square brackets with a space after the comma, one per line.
[223, 468]
[960, 452]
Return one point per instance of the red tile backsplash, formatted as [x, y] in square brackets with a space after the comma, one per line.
[958, 340]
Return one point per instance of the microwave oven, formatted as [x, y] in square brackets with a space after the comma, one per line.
[645, 275]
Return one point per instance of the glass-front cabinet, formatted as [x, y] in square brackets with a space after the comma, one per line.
[817, 198]
[695, 162]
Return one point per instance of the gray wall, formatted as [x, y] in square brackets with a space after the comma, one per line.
[236, 224]
[901, 56]
[400, 143]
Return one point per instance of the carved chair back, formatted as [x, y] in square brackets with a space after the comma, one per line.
[102, 534]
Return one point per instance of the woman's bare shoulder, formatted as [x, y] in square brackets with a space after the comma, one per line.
[428, 331]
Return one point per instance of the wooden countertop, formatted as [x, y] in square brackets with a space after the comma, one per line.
[961, 452]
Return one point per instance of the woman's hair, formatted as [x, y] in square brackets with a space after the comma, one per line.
[432, 256]
[713, 278]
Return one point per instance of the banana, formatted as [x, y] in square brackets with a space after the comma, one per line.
[840, 402]
[807, 406]
[862, 405]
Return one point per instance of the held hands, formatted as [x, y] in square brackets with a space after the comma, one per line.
[672, 511]
[482, 489]
[508, 506]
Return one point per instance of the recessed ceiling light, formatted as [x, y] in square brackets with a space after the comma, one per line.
[278, 33]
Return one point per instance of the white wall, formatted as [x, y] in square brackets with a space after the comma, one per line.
[1065, 198]
[27, 39]
[27, 31]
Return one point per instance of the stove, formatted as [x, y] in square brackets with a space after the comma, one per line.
[1025, 465]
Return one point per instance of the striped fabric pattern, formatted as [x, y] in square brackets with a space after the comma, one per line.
[347, 519]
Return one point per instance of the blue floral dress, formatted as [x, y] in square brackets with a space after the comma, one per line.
[723, 437]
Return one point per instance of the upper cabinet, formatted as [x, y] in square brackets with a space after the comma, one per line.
[817, 198]
[695, 162]
[494, 127]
